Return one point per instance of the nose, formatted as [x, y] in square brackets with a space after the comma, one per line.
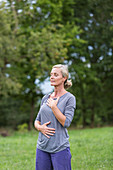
[51, 77]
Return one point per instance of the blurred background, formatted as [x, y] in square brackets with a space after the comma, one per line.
[35, 35]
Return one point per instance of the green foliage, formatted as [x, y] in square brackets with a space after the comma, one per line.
[34, 35]
[92, 69]
[23, 127]
[13, 112]
[8, 55]
[41, 40]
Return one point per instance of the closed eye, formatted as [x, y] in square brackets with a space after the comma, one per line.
[54, 74]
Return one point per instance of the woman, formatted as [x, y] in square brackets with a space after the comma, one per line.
[55, 115]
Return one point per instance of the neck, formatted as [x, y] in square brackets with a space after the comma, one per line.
[59, 91]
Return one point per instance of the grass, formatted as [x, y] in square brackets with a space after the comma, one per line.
[91, 149]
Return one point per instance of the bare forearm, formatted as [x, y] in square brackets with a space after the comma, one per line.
[37, 125]
[59, 115]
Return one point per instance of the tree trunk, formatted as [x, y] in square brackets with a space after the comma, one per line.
[83, 113]
[92, 117]
[31, 115]
[83, 107]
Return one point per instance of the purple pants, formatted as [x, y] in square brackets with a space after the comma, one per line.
[57, 161]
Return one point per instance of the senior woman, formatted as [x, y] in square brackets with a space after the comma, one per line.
[55, 115]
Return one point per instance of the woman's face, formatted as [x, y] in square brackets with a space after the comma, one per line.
[56, 77]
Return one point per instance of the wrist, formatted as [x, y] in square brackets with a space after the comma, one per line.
[54, 107]
[38, 127]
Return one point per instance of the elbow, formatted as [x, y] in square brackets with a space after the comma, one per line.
[35, 123]
[67, 123]
[66, 126]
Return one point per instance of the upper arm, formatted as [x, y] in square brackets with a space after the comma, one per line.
[69, 111]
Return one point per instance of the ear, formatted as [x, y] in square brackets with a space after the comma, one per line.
[65, 78]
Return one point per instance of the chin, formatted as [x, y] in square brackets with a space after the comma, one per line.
[52, 84]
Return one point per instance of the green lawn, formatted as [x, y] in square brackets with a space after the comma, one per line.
[92, 149]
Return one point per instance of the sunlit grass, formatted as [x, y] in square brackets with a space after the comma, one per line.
[92, 149]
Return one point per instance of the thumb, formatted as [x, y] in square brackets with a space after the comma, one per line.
[57, 99]
[47, 123]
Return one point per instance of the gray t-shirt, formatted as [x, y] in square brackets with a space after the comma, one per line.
[60, 140]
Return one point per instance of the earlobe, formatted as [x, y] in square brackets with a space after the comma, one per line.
[65, 79]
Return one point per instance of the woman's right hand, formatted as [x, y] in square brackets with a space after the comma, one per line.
[46, 130]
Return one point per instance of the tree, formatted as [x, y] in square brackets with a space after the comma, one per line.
[96, 56]
[8, 55]
[40, 46]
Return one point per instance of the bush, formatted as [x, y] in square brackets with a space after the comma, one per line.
[23, 127]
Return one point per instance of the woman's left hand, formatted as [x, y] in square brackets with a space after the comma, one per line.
[52, 103]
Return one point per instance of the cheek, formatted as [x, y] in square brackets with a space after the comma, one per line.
[59, 80]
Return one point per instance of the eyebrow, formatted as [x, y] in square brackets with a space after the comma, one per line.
[53, 73]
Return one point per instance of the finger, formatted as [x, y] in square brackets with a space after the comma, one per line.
[47, 136]
[51, 129]
[47, 101]
[48, 104]
[50, 99]
[47, 123]
[49, 133]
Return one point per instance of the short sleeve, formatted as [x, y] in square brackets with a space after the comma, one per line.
[69, 111]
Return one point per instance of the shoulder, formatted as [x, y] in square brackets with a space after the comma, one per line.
[45, 97]
[71, 99]
[70, 95]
